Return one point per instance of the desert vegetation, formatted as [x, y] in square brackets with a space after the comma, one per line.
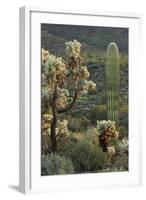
[84, 104]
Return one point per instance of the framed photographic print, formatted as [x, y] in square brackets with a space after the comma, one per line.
[79, 110]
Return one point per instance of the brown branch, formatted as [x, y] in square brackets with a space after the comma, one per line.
[109, 134]
[53, 124]
[71, 104]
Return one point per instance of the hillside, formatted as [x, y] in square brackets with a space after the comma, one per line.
[91, 37]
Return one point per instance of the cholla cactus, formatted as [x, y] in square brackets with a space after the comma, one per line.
[55, 69]
[73, 49]
[83, 73]
[46, 122]
[107, 131]
[62, 127]
[124, 144]
[107, 126]
[110, 153]
[62, 98]
[56, 74]
[45, 132]
[85, 87]
[48, 117]
[45, 54]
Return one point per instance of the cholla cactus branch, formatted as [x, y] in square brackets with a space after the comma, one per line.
[107, 131]
[56, 74]
[71, 104]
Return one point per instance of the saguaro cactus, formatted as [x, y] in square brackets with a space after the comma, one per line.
[112, 81]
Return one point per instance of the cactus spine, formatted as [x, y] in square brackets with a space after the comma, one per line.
[112, 81]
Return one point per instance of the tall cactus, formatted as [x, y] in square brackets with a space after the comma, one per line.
[112, 81]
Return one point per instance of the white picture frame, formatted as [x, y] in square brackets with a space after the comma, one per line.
[30, 178]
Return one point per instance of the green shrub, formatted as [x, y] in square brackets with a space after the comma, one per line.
[74, 125]
[121, 161]
[103, 99]
[54, 164]
[98, 113]
[85, 155]
[123, 132]
[91, 135]
[123, 116]
[123, 145]
[84, 122]
[113, 169]
[121, 158]
[78, 124]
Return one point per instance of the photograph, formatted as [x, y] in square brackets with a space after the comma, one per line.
[84, 99]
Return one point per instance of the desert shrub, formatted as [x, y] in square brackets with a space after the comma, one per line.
[113, 169]
[107, 132]
[98, 113]
[78, 124]
[123, 121]
[123, 116]
[45, 144]
[85, 156]
[121, 158]
[121, 161]
[103, 99]
[115, 142]
[74, 125]
[123, 132]
[84, 122]
[91, 135]
[54, 164]
[123, 145]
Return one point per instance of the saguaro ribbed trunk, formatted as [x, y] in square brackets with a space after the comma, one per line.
[112, 82]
